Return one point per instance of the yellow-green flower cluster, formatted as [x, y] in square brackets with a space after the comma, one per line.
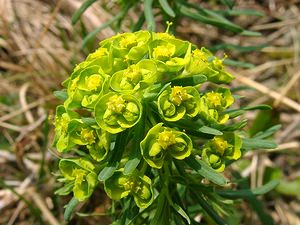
[107, 97]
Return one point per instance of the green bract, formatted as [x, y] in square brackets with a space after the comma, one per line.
[136, 122]
[176, 102]
[221, 148]
[119, 186]
[81, 172]
[161, 143]
[136, 76]
[213, 103]
[116, 112]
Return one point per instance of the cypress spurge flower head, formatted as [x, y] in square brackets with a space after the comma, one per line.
[221, 148]
[140, 186]
[162, 143]
[176, 102]
[134, 110]
[116, 112]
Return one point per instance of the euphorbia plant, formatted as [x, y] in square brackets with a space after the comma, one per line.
[137, 124]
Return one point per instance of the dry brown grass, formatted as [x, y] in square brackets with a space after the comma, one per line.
[38, 49]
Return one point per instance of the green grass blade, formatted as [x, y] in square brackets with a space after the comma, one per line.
[228, 3]
[166, 7]
[251, 33]
[210, 17]
[238, 48]
[119, 16]
[149, 15]
[208, 208]
[81, 10]
[235, 194]
[241, 12]
[234, 63]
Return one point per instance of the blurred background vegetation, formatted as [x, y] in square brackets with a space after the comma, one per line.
[39, 46]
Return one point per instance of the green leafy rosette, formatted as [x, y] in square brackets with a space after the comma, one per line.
[176, 102]
[221, 148]
[163, 142]
[116, 112]
[81, 172]
[140, 186]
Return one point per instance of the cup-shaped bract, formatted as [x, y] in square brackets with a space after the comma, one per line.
[221, 148]
[140, 186]
[86, 88]
[64, 129]
[176, 102]
[81, 171]
[168, 53]
[202, 61]
[116, 112]
[135, 77]
[130, 46]
[161, 142]
[213, 103]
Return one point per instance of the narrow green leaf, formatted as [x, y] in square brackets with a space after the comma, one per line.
[209, 130]
[69, 208]
[61, 95]
[234, 63]
[138, 25]
[205, 170]
[209, 17]
[81, 10]
[268, 132]
[230, 127]
[255, 204]
[119, 16]
[228, 3]
[66, 189]
[251, 33]
[181, 212]
[131, 165]
[234, 112]
[135, 155]
[166, 7]
[208, 208]
[115, 158]
[108, 171]
[149, 15]
[235, 194]
[161, 212]
[238, 48]
[240, 12]
[97, 30]
[255, 143]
